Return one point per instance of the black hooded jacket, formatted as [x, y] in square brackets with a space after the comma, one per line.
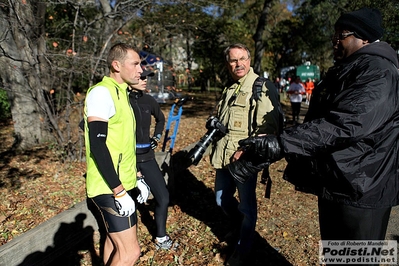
[145, 106]
[347, 148]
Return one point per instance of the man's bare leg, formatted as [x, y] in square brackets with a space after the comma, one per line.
[122, 248]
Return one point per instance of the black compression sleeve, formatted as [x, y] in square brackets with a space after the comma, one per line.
[98, 135]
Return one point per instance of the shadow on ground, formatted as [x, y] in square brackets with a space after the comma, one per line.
[197, 200]
[70, 239]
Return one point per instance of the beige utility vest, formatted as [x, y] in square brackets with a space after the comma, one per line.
[234, 111]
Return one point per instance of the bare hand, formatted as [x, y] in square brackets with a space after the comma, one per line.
[237, 155]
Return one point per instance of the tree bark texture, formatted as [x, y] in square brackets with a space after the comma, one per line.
[258, 38]
[25, 71]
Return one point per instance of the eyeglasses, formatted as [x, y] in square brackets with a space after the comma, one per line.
[342, 36]
[143, 78]
[235, 61]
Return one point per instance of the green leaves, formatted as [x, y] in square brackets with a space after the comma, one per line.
[5, 111]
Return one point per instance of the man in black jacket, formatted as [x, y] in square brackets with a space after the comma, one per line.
[346, 151]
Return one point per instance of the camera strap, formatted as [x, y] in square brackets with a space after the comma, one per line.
[236, 91]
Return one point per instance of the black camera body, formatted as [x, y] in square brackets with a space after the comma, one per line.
[215, 130]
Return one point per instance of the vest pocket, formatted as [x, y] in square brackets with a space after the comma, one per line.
[238, 119]
[242, 99]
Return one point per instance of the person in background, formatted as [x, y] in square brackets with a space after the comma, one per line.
[203, 81]
[233, 111]
[111, 155]
[277, 84]
[309, 86]
[295, 93]
[145, 107]
[190, 80]
[346, 151]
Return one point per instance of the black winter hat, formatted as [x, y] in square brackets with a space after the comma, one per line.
[366, 22]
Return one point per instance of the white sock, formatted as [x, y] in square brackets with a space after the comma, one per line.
[162, 239]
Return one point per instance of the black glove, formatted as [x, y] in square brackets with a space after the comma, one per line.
[243, 169]
[154, 142]
[266, 146]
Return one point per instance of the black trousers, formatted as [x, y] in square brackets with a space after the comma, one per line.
[344, 222]
[155, 180]
[296, 109]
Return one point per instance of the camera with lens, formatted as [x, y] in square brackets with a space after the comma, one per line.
[215, 130]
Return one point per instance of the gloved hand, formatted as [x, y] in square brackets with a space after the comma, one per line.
[242, 169]
[124, 204]
[144, 190]
[266, 146]
[154, 142]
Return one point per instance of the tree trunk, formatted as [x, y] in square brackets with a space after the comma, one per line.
[22, 50]
[259, 46]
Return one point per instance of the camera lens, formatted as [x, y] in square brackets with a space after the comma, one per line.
[214, 128]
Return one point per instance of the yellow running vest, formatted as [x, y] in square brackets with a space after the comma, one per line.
[121, 142]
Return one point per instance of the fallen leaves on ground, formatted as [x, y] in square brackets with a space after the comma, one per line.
[35, 186]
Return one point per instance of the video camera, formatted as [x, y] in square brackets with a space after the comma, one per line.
[215, 130]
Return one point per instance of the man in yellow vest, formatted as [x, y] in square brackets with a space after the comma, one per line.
[111, 155]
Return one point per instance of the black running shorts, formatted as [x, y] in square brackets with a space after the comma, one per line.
[112, 220]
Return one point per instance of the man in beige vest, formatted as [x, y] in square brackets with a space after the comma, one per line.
[243, 117]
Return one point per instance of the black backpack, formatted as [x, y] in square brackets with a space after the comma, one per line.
[274, 98]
